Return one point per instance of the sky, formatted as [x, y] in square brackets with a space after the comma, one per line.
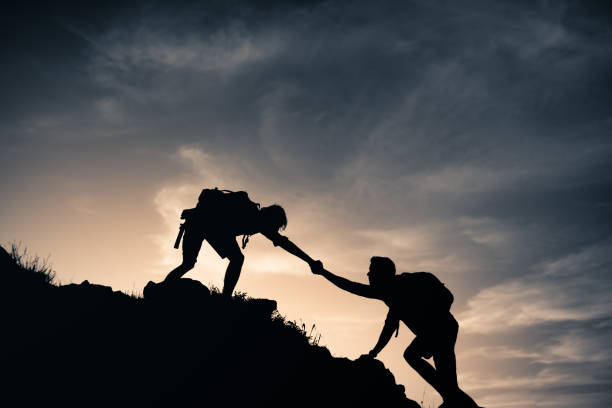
[471, 140]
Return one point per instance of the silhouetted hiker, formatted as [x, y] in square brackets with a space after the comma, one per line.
[219, 217]
[423, 303]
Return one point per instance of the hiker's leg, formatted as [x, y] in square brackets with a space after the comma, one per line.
[232, 273]
[446, 364]
[413, 355]
[446, 369]
[192, 242]
[180, 270]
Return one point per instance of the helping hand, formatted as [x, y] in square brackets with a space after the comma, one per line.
[369, 356]
[316, 267]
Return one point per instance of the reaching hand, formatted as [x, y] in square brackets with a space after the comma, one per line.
[369, 356]
[316, 267]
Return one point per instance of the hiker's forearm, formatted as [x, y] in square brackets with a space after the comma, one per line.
[383, 339]
[349, 286]
[293, 249]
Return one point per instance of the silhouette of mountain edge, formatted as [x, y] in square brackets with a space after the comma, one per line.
[180, 344]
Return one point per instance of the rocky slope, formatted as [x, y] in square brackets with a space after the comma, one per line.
[179, 345]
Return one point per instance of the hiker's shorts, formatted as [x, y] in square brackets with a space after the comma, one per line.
[224, 245]
[439, 338]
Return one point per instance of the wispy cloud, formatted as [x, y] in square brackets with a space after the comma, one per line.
[567, 289]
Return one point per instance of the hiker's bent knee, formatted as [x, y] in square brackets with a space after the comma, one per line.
[411, 355]
[188, 263]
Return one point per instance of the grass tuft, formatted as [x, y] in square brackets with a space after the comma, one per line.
[32, 263]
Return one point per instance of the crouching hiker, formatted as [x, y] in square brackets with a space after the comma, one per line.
[423, 303]
[219, 217]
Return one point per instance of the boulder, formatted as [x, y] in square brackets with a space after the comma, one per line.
[181, 291]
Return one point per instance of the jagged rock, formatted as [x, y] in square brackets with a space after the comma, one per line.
[259, 307]
[179, 291]
[86, 289]
[89, 295]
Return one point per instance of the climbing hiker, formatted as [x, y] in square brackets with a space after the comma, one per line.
[423, 303]
[219, 217]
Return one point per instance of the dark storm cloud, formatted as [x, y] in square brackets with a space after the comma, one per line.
[482, 128]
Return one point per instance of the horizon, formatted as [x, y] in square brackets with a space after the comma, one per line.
[471, 141]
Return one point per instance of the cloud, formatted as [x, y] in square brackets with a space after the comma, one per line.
[169, 57]
[553, 333]
[83, 203]
[568, 289]
[579, 346]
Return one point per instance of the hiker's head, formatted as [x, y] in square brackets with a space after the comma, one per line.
[381, 270]
[274, 217]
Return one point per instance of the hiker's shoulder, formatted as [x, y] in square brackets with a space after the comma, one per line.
[407, 275]
[416, 274]
[414, 277]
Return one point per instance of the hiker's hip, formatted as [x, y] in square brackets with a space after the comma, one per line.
[440, 325]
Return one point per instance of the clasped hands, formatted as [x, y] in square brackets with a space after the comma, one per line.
[316, 267]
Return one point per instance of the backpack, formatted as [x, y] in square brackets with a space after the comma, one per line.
[236, 204]
[425, 289]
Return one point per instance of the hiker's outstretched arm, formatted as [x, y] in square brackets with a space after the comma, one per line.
[391, 324]
[284, 242]
[345, 284]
